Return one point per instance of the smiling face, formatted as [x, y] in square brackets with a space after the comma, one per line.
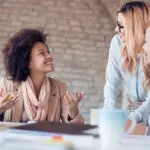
[40, 59]
[146, 45]
[120, 27]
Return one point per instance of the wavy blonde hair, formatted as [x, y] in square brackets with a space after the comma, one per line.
[146, 70]
[136, 16]
[146, 67]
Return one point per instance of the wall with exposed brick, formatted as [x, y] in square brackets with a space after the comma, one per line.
[79, 33]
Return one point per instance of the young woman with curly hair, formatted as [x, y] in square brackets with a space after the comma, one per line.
[27, 94]
[125, 55]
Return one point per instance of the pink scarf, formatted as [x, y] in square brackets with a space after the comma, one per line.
[35, 108]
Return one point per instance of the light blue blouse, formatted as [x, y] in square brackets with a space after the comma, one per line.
[133, 83]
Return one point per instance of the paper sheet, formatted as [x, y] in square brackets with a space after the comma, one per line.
[136, 139]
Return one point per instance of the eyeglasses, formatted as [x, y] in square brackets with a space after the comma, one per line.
[120, 27]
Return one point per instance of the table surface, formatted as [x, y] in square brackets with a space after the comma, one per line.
[128, 142]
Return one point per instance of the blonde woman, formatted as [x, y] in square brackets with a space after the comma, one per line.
[124, 55]
[142, 114]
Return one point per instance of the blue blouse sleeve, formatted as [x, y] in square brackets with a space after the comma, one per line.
[113, 75]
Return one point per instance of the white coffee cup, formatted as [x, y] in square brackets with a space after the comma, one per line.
[94, 116]
[111, 127]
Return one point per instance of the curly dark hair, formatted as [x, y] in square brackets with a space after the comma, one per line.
[17, 52]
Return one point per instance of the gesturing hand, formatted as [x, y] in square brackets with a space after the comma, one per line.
[73, 101]
[7, 101]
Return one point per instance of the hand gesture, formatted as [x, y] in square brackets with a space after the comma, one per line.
[7, 101]
[73, 101]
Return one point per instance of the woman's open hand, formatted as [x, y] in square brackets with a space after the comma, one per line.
[7, 101]
[73, 101]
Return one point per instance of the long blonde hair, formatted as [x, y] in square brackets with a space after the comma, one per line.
[146, 66]
[136, 15]
[146, 70]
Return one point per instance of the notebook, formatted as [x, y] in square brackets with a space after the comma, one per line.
[52, 127]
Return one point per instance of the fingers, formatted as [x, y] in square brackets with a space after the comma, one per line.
[76, 97]
[9, 103]
[12, 101]
[5, 98]
[69, 97]
[79, 96]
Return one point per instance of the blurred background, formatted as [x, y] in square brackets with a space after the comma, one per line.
[79, 35]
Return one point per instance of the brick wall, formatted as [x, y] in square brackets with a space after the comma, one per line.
[79, 33]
